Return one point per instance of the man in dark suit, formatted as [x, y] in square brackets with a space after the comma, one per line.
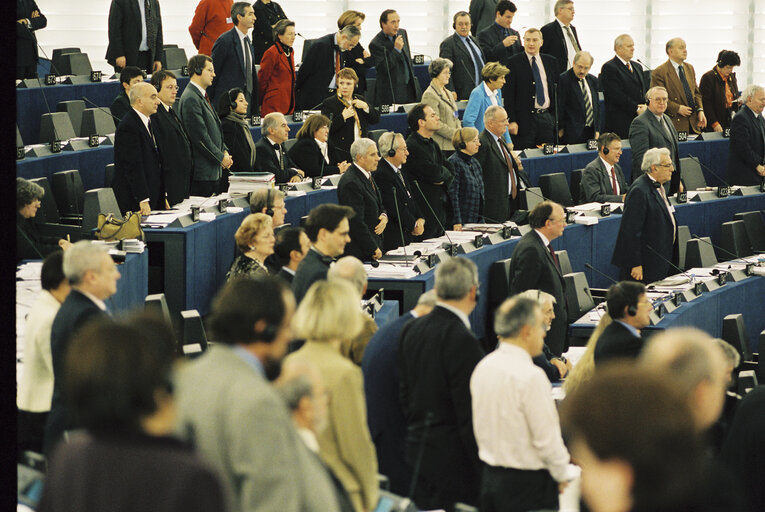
[385, 417]
[135, 35]
[403, 213]
[208, 149]
[93, 276]
[428, 170]
[28, 19]
[172, 140]
[317, 75]
[291, 246]
[746, 158]
[630, 310]
[578, 102]
[602, 179]
[234, 57]
[561, 39]
[498, 41]
[436, 357]
[129, 76]
[137, 172]
[392, 57]
[535, 266]
[327, 227]
[624, 87]
[647, 239]
[654, 129]
[270, 153]
[466, 56]
[481, 14]
[357, 190]
[528, 94]
[503, 175]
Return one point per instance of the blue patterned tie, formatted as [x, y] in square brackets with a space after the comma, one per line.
[538, 81]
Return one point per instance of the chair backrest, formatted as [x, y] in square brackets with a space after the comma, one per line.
[375, 135]
[578, 297]
[289, 143]
[499, 281]
[691, 174]
[194, 338]
[97, 121]
[734, 332]
[108, 175]
[98, 200]
[683, 235]
[68, 191]
[755, 229]
[157, 303]
[48, 211]
[530, 197]
[564, 262]
[734, 240]
[555, 187]
[19, 139]
[174, 58]
[306, 45]
[576, 185]
[74, 108]
[700, 253]
[56, 126]
[57, 59]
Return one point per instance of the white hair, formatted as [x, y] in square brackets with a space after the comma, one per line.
[653, 157]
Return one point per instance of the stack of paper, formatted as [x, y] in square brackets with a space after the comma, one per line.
[242, 183]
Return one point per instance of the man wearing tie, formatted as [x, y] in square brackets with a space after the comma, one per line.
[679, 79]
[624, 87]
[561, 39]
[578, 102]
[393, 61]
[463, 50]
[135, 35]
[270, 154]
[647, 239]
[498, 41]
[234, 58]
[746, 158]
[208, 150]
[602, 179]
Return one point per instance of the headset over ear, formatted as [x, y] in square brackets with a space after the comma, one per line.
[268, 334]
[392, 151]
[233, 94]
[632, 310]
[606, 150]
[269, 203]
[461, 144]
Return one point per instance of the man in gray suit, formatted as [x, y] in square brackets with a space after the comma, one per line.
[602, 179]
[203, 127]
[653, 129]
[481, 14]
[237, 421]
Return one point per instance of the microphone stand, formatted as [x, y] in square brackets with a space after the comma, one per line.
[722, 191]
[555, 106]
[390, 81]
[452, 249]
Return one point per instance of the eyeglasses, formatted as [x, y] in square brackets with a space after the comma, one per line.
[665, 165]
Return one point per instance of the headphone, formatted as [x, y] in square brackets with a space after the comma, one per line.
[197, 68]
[632, 310]
[268, 334]
[269, 204]
[232, 101]
[606, 150]
[462, 144]
[392, 151]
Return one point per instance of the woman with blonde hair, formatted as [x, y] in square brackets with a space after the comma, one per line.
[585, 368]
[486, 94]
[255, 238]
[328, 315]
[443, 101]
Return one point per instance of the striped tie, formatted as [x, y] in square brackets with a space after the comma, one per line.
[587, 104]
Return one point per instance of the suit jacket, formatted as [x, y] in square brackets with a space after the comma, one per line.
[466, 190]
[287, 276]
[645, 221]
[121, 105]
[203, 127]
[622, 93]
[241, 427]
[747, 148]
[209, 22]
[306, 154]
[446, 108]
[312, 268]
[477, 104]
[571, 110]
[238, 146]
[356, 191]
[555, 42]
[137, 169]
[74, 313]
[519, 91]
[463, 79]
[385, 417]
[267, 161]
[230, 69]
[407, 213]
[394, 68]
[596, 184]
[341, 131]
[666, 76]
[125, 32]
[174, 153]
[426, 165]
[277, 81]
[436, 356]
[498, 206]
[532, 268]
[616, 342]
[316, 72]
[26, 41]
[712, 89]
[482, 14]
[491, 38]
[344, 444]
[30, 245]
[266, 16]
[357, 52]
[645, 133]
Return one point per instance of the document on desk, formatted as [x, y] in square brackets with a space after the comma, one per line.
[161, 219]
[390, 271]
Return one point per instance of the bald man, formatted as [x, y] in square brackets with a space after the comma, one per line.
[679, 79]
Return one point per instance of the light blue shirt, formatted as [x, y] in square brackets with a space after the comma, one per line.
[477, 65]
[631, 329]
[144, 46]
[250, 359]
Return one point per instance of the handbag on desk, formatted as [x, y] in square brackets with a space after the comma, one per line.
[109, 228]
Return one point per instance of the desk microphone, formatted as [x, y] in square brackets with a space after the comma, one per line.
[103, 110]
[690, 277]
[398, 216]
[601, 273]
[712, 173]
[452, 245]
[646, 66]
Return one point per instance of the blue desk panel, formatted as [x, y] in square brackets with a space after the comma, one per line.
[133, 285]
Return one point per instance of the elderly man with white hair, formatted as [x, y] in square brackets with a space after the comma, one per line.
[647, 239]
[358, 190]
[746, 159]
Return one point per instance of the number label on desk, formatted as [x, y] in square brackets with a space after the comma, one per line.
[50, 79]
[592, 144]
[95, 76]
[385, 109]
[722, 278]
[297, 116]
[723, 191]
[94, 141]
[20, 153]
[726, 133]
[255, 120]
[184, 71]
[605, 210]
[55, 146]
[548, 149]
[698, 288]
[316, 183]
[682, 136]
[418, 60]
[682, 197]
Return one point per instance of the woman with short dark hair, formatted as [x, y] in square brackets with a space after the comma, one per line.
[312, 146]
[232, 110]
[276, 77]
[30, 244]
[443, 101]
[719, 90]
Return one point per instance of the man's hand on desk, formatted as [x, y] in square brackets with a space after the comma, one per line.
[637, 273]
[419, 227]
[562, 367]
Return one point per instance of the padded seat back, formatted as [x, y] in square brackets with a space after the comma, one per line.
[555, 187]
[734, 240]
[68, 191]
[691, 174]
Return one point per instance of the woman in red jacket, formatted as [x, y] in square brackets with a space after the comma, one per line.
[277, 71]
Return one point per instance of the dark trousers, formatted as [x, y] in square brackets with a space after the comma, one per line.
[517, 490]
[31, 426]
[28, 71]
[586, 134]
[540, 131]
[204, 188]
[142, 62]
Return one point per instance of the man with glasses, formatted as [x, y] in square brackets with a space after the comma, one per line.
[630, 309]
[653, 129]
[561, 39]
[647, 239]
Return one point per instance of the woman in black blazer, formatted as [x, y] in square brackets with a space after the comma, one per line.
[350, 114]
[360, 59]
[232, 109]
[30, 244]
[312, 147]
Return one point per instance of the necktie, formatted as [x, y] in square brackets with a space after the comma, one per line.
[666, 128]
[207, 99]
[572, 39]
[337, 60]
[151, 25]
[372, 181]
[151, 134]
[540, 89]
[589, 116]
[663, 194]
[280, 151]
[403, 183]
[554, 257]
[513, 185]
[686, 88]
[248, 64]
[629, 68]
[612, 172]
[477, 61]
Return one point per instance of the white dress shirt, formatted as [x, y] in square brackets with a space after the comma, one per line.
[491, 94]
[324, 149]
[514, 417]
[609, 170]
[570, 50]
[36, 386]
